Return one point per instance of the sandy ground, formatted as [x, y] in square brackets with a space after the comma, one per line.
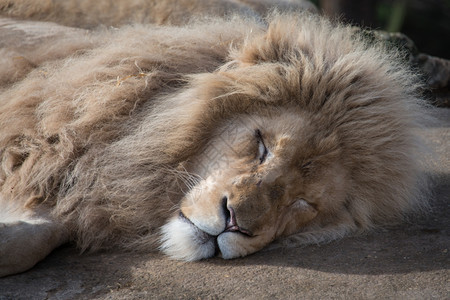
[409, 261]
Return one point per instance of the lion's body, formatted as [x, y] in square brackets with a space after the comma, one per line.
[90, 14]
[101, 142]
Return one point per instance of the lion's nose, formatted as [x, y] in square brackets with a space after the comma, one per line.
[230, 216]
[231, 224]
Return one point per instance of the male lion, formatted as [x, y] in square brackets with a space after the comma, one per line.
[215, 138]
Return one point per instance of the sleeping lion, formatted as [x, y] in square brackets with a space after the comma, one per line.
[216, 138]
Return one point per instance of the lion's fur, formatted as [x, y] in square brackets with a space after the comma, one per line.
[24, 45]
[90, 14]
[100, 136]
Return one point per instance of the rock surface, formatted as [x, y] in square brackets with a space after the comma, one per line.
[435, 70]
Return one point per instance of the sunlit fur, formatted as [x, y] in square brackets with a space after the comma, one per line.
[107, 138]
[90, 14]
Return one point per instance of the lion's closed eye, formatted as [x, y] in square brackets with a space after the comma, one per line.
[262, 149]
[307, 165]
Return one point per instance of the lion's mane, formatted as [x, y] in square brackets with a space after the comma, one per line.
[101, 135]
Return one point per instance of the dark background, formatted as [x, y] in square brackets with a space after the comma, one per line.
[426, 22]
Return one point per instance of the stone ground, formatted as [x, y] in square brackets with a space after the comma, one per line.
[408, 261]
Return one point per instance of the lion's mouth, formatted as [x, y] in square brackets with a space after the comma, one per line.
[231, 226]
[182, 239]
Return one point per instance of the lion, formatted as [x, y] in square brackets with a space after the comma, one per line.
[212, 139]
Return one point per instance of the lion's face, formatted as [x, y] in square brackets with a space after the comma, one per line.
[260, 177]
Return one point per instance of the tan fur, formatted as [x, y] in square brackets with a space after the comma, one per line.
[88, 14]
[25, 45]
[112, 141]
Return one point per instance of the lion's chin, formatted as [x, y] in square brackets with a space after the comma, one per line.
[232, 245]
[182, 240]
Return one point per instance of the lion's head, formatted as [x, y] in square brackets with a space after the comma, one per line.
[309, 133]
[259, 178]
